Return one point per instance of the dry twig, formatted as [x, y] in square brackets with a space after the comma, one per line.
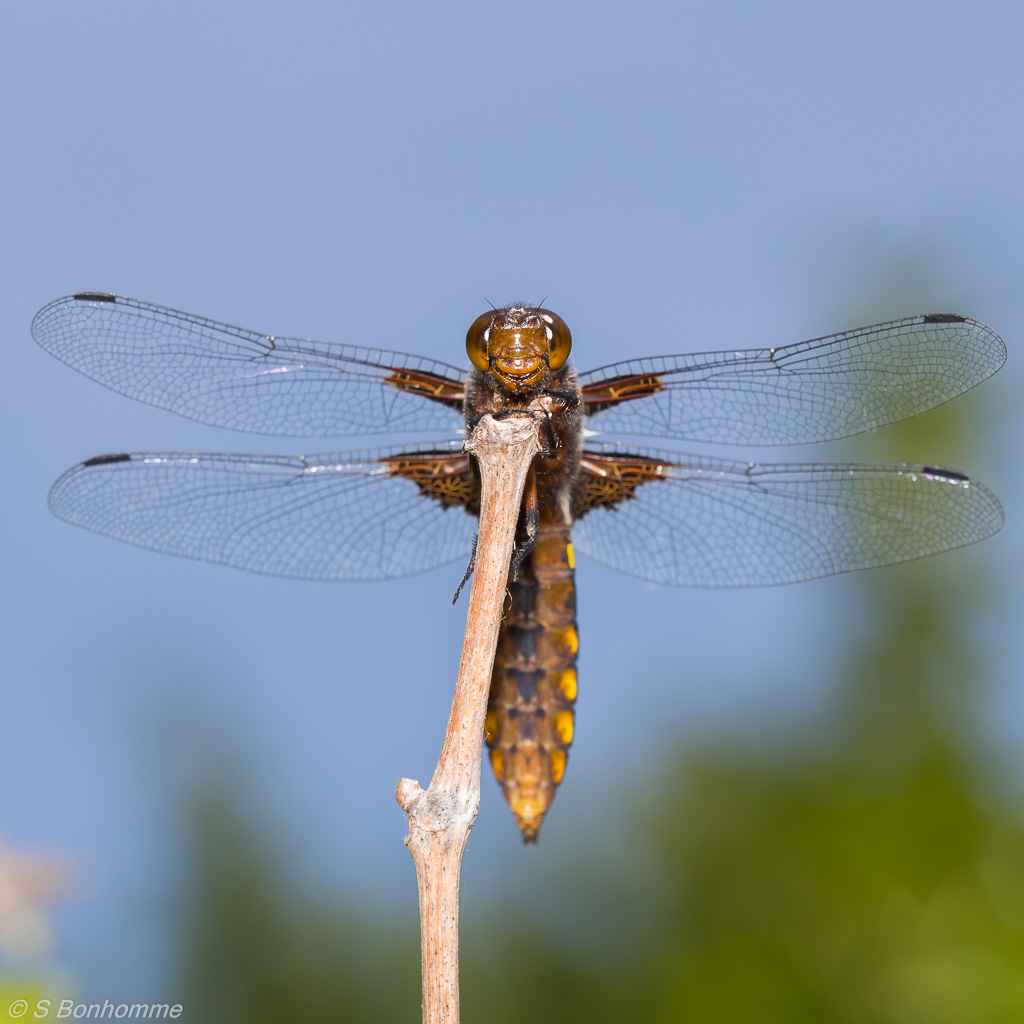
[441, 816]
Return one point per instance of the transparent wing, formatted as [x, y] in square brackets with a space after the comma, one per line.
[817, 390]
[347, 516]
[230, 377]
[689, 521]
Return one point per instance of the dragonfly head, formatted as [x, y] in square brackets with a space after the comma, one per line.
[518, 344]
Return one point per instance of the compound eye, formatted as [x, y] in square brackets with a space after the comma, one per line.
[476, 340]
[559, 338]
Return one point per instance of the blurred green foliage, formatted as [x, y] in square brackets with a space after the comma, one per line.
[864, 872]
[254, 952]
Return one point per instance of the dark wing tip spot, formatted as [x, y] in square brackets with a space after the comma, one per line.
[944, 318]
[947, 474]
[102, 460]
[94, 297]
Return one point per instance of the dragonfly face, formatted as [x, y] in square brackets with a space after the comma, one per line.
[519, 346]
[661, 515]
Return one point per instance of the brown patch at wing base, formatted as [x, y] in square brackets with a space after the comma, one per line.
[607, 480]
[445, 478]
[439, 389]
[606, 393]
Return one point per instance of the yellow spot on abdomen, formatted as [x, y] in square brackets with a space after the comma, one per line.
[491, 726]
[569, 556]
[556, 764]
[562, 724]
[567, 684]
[570, 639]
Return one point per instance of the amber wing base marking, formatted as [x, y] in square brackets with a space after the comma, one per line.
[608, 480]
[439, 389]
[611, 392]
[445, 478]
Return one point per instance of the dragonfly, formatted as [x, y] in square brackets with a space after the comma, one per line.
[660, 515]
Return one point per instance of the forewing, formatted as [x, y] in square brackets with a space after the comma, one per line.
[817, 390]
[230, 377]
[368, 515]
[689, 521]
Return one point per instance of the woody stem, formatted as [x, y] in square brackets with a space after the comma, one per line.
[440, 817]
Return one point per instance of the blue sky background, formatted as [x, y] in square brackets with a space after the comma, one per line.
[671, 177]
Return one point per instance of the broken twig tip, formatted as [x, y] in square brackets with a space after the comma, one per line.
[407, 792]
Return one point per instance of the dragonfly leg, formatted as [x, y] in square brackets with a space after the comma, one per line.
[531, 522]
[468, 572]
[549, 439]
[569, 399]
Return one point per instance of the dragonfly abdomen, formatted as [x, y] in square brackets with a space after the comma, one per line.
[533, 687]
